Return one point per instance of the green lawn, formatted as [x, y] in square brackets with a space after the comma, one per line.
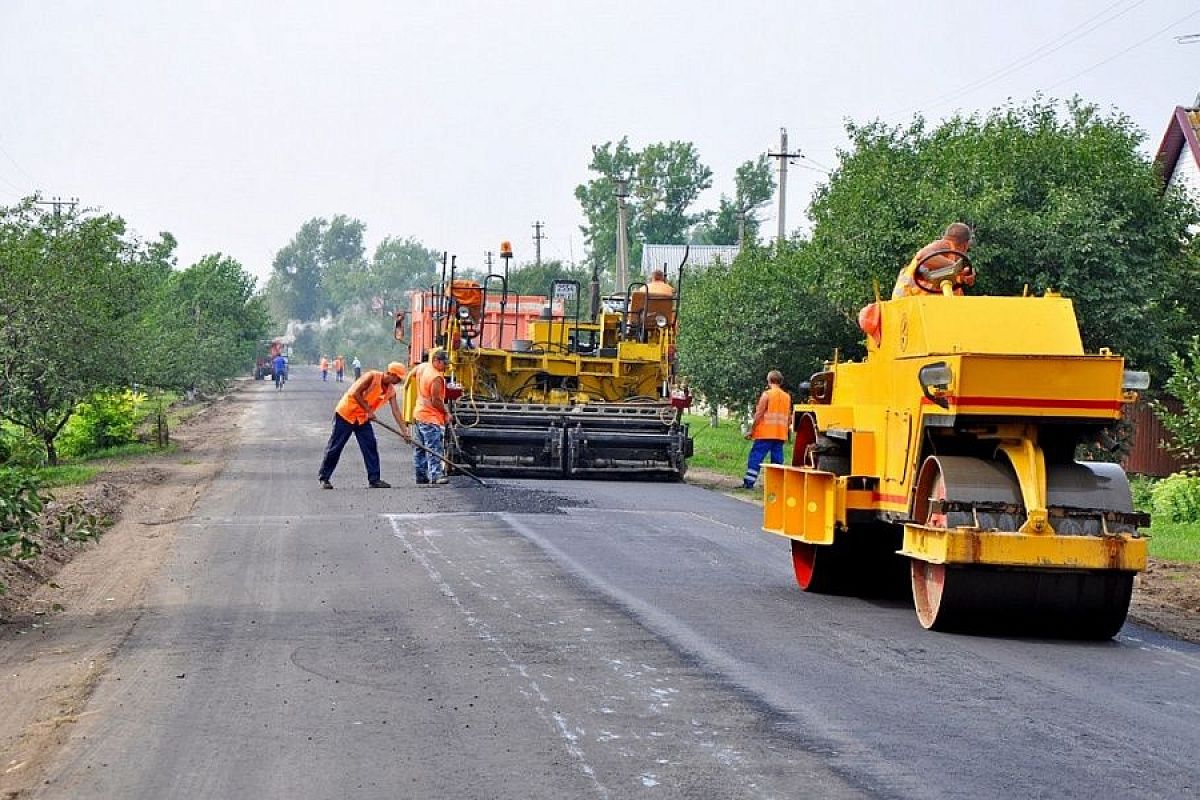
[721, 449]
[1175, 541]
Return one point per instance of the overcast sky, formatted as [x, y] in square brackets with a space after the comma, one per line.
[460, 123]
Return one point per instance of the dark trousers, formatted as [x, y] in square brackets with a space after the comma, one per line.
[759, 451]
[342, 430]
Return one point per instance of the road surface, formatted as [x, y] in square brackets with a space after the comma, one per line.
[575, 640]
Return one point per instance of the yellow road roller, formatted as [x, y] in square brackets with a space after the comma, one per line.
[948, 456]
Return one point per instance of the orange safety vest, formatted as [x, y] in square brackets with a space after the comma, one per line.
[377, 394]
[339, 364]
[427, 378]
[324, 364]
[774, 423]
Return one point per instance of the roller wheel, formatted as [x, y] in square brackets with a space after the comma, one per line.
[819, 568]
[1077, 604]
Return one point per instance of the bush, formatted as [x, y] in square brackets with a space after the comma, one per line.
[20, 448]
[1177, 498]
[1184, 384]
[103, 420]
[1143, 492]
[21, 503]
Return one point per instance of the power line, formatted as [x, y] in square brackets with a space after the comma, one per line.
[1120, 53]
[1081, 30]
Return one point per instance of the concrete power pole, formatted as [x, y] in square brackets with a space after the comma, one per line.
[621, 191]
[537, 241]
[784, 156]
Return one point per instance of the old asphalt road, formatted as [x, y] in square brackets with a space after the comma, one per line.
[564, 640]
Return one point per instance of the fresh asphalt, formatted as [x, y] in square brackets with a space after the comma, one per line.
[575, 640]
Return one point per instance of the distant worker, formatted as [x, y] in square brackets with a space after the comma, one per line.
[430, 418]
[957, 238]
[324, 368]
[357, 368]
[658, 286]
[353, 415]
[339, 368]
[279, 371]
[769, 429]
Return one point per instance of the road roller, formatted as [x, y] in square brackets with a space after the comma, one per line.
[946, 460]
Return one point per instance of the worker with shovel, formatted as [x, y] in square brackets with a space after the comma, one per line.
[354, 415]
[429, 420]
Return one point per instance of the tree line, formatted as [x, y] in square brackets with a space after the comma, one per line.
[87, 308]
[1058, 194]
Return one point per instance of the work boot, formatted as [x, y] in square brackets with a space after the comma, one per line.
[378, 484]
[440, 480]
[325, 484]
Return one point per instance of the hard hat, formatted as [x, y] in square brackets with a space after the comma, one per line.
[396, 368]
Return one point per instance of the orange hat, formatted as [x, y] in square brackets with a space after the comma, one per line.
[396, 368]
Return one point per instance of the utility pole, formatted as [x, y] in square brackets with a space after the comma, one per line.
[537, 241]
[58, 204]
[621, 191]
[488, 254]
[741, 228]
[784, 156]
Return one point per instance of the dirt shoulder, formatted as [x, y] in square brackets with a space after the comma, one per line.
[1166, 596]
[68, 611]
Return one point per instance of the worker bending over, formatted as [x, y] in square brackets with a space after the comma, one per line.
[353, 415]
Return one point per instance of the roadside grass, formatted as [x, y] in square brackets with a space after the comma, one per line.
[723, 450]
[66, 474]
[1175, 541]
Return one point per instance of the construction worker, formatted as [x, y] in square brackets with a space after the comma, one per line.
[658, 286]
[339, 368]
[957, 238]
[430, 418]
[769, 429]
[324, 368]
[353, 415]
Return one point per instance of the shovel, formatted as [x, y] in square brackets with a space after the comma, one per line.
[427, 451]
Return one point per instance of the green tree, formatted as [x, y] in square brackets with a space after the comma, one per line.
[209, 323]
[1059, 197]
[537, 280]
[762, 312]
[753, 187]
[72, 280]
[664, 181]
[399, 266]
[321, 268]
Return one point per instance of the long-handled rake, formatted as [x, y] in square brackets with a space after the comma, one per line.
[444, 460]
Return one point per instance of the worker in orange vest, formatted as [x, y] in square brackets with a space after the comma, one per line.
[324, 368]
[658, 286]
[339, 368]
[956, 239]
[770, 428]
[430, 418]
[353, 415]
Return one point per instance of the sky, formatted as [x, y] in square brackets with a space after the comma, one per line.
[460, 124]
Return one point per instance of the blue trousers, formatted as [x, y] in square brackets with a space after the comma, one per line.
[428, 468]
[342, 431]
[760, 450]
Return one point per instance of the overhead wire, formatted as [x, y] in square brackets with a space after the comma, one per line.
[1120, 53]
[1070, 36]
